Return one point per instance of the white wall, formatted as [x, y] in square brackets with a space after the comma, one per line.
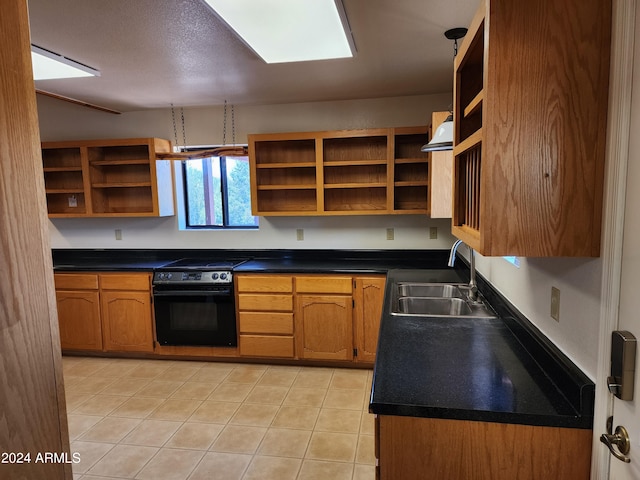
[529, 289]
[204, 126]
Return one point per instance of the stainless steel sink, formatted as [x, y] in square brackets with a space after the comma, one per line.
[436, 300]
[452, 307]
[429, 290]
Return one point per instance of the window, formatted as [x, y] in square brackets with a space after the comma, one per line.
[217, 193]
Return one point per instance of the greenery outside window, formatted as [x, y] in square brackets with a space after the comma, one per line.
[217, 193]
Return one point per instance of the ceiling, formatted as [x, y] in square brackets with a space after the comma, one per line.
[154, 53]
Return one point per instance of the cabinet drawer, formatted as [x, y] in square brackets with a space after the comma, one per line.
[76, 281]
[266, 322]
[266, 346]
[118, 281]
[324, 285]
[265, 303]
[265, 283]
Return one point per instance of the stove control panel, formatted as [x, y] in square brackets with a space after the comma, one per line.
[191, 277]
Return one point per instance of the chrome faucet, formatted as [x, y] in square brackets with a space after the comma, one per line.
[473, 287]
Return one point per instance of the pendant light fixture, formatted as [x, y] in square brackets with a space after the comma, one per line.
[443, 138]
[223, 151]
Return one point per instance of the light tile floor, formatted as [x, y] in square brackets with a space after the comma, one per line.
[177, 420]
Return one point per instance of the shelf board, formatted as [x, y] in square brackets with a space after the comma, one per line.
[301, 186]
[63, 169]
[143, 161]
[286, 165]
[121, 185]
[469, 142]
[412, 183]
[351, 163]
[63, 190]
[355, 185]
[401, 161]
[474, 105]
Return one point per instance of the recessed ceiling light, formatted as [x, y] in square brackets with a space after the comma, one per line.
[282, 31]
[49, 65]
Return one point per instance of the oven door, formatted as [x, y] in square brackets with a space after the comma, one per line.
[199, 317]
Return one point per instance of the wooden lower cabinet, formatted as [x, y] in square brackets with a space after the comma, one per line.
[411, 448]
[265, 315]
[105, 311]
[310, 317]
[79, 320]
[127, 322]
[368, 298]
[79, 316]
[324, 327]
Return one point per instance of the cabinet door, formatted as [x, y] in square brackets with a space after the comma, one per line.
[127, 321]
[369, 297]
[79, 320]
[324, 327]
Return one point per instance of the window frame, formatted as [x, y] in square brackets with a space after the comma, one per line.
[224, 193]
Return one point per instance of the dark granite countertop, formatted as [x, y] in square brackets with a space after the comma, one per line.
[264, 261]
[498, 370]
[469, 369]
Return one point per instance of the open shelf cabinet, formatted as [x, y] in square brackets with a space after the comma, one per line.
[342, 172]
[108, 178]
[529, 128]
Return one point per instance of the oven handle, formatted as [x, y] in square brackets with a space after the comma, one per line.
[192, 293]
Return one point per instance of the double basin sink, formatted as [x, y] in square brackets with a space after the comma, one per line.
[437, 300]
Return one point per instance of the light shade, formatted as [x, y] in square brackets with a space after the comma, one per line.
[442, 139]
[282, 31]
[48, 65]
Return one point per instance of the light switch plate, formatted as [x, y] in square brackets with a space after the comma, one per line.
[390, 234]
[299, 234]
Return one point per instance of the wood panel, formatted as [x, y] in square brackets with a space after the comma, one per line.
[264, 283]
[126, 318]
[265, 302]
[125, 281]
[463, 450]
[369, 297]
[80, 320]
[324, 327]
[266, 346]
[32, 399]
[266, 322]
[441, 175]
[320, 284]
[76, 281]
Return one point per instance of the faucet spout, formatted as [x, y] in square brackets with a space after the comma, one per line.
[452, 254]
[473, 287]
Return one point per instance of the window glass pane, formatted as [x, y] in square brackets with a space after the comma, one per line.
[239, 192]
[204, 197]
[204, 192]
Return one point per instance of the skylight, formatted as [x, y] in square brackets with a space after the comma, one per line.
[48, 65]
[282, 31]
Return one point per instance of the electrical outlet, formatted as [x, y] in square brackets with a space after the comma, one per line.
[555, 304]
[390, 234]
[433, 233]
[299, 234]
[118, 234]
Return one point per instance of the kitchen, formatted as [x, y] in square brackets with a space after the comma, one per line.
[528, 287]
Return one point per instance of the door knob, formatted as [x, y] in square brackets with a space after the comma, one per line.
[618, 443]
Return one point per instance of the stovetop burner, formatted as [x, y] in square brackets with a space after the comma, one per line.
[202, 264]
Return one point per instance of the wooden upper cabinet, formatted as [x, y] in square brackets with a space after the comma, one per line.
[108, 178]
[530, 113]
[441, 171]
[342, 172]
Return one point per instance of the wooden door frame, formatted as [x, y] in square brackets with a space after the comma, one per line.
[618, 134]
